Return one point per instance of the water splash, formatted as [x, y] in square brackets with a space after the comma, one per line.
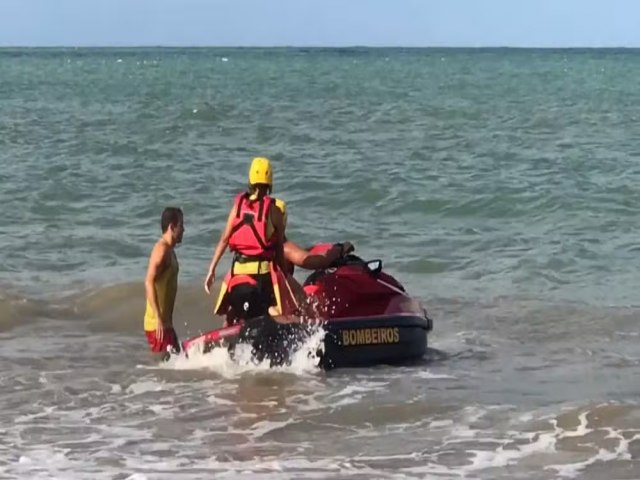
[304, 359]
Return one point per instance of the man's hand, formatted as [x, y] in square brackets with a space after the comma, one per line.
[211, 277]
[347, 247]
[160, 329]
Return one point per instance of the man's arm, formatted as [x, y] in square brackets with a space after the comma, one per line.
[223, 242]
[302, 258]
[278, 226]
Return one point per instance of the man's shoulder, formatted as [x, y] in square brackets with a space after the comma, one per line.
[160, 249]
[275, 212]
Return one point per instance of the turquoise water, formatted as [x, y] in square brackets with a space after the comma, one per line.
[501, 186]
[497, 172]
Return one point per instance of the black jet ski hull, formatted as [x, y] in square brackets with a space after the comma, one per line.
[363, 342]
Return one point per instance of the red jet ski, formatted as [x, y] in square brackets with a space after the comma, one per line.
[368, 317]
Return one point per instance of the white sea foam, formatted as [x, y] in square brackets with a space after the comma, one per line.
[472, 452]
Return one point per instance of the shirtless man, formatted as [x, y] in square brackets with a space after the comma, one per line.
[161, 285]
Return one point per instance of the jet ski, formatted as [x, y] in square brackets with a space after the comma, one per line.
[368, 318]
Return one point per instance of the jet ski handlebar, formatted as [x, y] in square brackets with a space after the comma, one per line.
[349, 258]
[349, 250]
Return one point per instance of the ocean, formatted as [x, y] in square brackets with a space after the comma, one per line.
[500, 186]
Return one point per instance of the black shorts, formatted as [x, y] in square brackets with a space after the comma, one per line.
[251, 301]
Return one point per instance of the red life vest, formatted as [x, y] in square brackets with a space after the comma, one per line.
[249, 231]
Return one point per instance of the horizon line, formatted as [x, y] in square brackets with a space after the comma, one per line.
[313, 46]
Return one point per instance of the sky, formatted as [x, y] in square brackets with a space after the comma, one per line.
[410, 23]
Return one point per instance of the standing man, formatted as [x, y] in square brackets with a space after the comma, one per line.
[161, 285]
[253, 232]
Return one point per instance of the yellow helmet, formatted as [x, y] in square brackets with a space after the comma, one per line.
[283, 208]
[260, 172]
